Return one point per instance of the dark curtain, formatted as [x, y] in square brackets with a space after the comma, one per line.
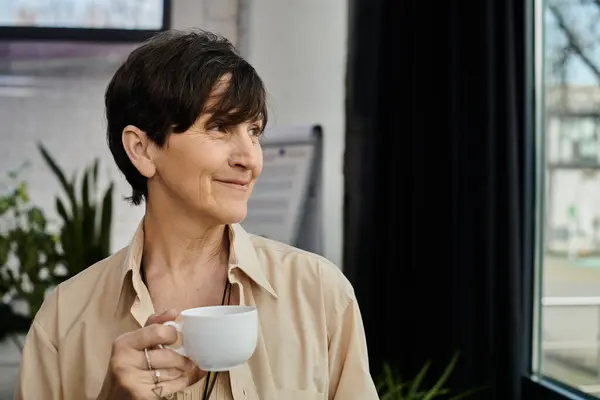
[434, 186]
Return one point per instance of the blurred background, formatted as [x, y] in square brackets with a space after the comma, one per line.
[449, 165]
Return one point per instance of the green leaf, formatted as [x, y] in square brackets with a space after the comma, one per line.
[106, 222]
[88, 212]
[4, 250]
[393, 393]
[77, 216]
[22, 192]
[442, 380]
[85, 234]
[389, 377]
[95, 174]
[416, 384]
[5, 205]
[67, 186]
[36, 219]
[391, 387]
[73, 252]
[60, 208]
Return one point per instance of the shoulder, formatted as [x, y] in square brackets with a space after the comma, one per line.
[95, 287]
[309, 272]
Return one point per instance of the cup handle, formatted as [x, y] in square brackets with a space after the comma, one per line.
[178, 345]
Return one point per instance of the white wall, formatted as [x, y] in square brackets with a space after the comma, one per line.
[219, 16]
[299, 49]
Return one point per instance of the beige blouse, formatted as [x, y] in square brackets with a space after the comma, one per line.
[311, 342]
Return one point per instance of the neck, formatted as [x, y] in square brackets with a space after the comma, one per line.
[175, 243]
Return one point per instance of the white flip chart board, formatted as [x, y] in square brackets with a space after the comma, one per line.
[286, 202]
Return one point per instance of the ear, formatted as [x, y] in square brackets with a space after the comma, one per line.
[137, 146]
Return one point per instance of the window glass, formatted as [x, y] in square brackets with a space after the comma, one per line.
[113, 14]
[569, 329]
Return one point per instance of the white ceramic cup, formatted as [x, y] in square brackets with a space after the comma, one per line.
[217, 338]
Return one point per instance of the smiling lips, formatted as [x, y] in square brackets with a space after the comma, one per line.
[240, 184]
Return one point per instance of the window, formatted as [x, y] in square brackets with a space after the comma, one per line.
[568, 334]
[96, 20]
[122, 14]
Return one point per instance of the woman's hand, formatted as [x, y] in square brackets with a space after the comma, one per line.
[129, 371]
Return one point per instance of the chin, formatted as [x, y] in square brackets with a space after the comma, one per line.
[233, 214]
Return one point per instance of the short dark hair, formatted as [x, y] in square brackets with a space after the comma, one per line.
[163, 87]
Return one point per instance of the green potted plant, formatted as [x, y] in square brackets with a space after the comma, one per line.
[390, 385]
[32, 258]
[86, 217]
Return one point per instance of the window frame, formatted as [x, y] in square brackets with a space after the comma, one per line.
[534, 385]
[538, 387]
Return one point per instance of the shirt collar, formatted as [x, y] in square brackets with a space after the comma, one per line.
[242, 255]
[133, 259]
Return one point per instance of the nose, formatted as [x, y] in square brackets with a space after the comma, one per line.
[243, 154]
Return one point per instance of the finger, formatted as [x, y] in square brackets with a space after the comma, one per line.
[163, 317]
[151, 336]
[165, 358]
[169, 374]
[148, 377]
[173, 386]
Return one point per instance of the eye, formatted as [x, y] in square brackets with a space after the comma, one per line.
[255, 131]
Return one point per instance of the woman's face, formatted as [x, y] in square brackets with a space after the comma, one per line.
[210, 170]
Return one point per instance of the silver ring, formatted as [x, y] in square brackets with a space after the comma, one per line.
[148, 359]
[156, 377]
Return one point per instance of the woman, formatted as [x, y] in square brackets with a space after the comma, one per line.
[185, 113]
